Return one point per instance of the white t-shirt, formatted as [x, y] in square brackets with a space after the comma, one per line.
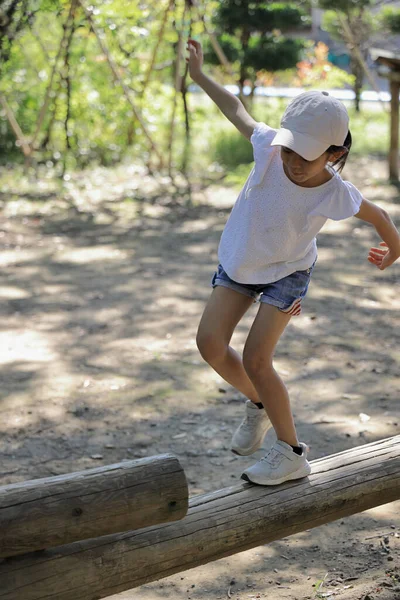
[271, 230]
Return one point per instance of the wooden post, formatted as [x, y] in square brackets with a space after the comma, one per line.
[44, 513]
[218, 524]
[394, 127]
[391, 71]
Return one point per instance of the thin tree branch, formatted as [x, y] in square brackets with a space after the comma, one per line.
[22, 141]
[47, 97]
[40, 42]
[217, 48]
[356, 49]
[118, 79]
[158, 43]
[177, 87]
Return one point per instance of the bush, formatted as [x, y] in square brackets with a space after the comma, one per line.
[370, 132]
[232, 149]
[391, 19]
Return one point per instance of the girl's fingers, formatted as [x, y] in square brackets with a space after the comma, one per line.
[375, 263]
[194, 43]
[376, 256]
[378, 251]
[192, 52]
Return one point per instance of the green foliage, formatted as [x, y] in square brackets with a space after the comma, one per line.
[100, 124]
[331, 24]
[370, 132]
[230, 45]
[253, 16]
[91, 112]
[352, 23]
[271, 53]
[250, 35]
[264, 52]
[346, 6]
[391, 19]
[232, 149]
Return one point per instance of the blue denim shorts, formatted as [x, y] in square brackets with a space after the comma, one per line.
[286, 293]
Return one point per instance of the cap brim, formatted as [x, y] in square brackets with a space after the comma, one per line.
[305, 145]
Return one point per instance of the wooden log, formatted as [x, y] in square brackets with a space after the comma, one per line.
[218, 524]
[44, 513]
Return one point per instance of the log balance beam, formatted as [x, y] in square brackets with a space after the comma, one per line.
[218, 524]
[44, 513]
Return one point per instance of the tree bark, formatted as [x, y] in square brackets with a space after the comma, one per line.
[44, 513]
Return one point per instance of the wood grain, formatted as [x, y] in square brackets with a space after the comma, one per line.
[49, 512]
[218, 524]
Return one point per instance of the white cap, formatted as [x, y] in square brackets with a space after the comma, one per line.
[312, 122]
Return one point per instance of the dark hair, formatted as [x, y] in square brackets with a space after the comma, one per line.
[340, 162]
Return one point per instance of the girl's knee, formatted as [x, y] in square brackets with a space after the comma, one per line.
[210, 347]
[257, 365]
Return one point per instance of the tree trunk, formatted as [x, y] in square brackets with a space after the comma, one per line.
[358, 73]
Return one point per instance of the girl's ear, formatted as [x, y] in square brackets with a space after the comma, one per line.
[335, 156]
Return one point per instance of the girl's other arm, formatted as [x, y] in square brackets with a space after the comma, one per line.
[231, 106]
[389, 251]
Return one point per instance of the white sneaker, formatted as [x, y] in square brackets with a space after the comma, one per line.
[279, 465]
[251, 432]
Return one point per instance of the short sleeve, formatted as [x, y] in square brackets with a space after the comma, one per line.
[343, 203]
[261, 139]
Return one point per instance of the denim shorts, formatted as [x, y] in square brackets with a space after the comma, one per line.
[286, 293]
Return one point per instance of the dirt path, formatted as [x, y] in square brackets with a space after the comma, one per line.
[101, 297]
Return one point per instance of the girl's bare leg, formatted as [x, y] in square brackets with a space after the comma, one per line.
[223, 312]
[264, 335]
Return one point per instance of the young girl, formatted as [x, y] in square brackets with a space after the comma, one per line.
[267, 252]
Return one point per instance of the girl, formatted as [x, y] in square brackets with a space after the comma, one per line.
[267, 252]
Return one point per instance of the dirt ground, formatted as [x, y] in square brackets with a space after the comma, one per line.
[101, 296]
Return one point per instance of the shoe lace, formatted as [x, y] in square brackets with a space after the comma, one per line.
[248, 421]
[273, 458]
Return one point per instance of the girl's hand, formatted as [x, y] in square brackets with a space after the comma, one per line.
[195, 59]
[382, 257]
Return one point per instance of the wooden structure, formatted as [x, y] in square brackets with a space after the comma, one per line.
[391, 62]
[49, 512]
[218, 524]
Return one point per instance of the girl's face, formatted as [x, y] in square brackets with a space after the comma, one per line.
[307, 173]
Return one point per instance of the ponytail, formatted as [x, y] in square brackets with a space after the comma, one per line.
[340, 162]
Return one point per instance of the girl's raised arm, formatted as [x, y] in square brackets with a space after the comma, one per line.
[231, 106]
